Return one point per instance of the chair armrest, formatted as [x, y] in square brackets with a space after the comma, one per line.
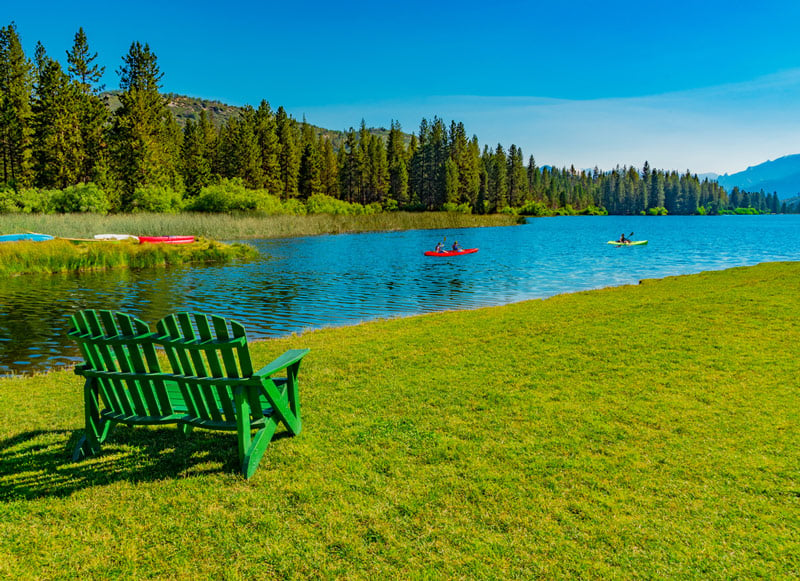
[287, 359]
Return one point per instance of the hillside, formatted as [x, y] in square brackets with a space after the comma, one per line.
[781, 175]
[185, 108]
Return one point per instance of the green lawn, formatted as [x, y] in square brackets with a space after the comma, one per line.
[648, 431]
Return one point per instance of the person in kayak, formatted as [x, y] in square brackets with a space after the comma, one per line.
[623, 239]
[439, 247]
[456, 247]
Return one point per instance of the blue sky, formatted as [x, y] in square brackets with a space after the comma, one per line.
[710, 86]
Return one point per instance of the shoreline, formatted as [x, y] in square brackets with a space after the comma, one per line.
[306, 331]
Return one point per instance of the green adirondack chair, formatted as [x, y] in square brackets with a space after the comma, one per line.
[210, 384]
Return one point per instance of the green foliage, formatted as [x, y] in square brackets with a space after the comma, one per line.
[38, 201]
[657, 211]
[534, 208]
[81, 198]
[156, 199]
[323, 204]
[229, 195]
[8, 201]
[463, 208]
[593, 211]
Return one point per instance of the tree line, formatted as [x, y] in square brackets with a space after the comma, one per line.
[58, 133]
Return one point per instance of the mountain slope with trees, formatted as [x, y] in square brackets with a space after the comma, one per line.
[65, 146]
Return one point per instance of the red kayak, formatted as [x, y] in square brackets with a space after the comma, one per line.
[451, 252]
[166, 239]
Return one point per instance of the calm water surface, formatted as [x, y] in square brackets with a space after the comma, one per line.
[306, 283]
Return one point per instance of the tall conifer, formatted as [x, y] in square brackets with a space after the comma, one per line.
[142, 139]
[16, 132]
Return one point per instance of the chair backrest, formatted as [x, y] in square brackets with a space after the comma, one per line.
[119, 351]
[209, 356]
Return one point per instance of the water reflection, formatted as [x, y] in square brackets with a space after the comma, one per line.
[336, 280]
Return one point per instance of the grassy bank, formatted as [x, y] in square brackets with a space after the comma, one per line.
[647, 431]
[66, 256]
[228, 227]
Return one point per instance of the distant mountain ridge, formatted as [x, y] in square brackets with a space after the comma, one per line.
[781, 175]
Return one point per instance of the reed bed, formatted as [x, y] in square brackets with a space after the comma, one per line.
[59, 255]
[239, 227]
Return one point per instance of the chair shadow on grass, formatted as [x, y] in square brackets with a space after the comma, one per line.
[39, 463]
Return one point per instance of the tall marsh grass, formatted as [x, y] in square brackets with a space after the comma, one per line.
[238, 227]
[67, 256]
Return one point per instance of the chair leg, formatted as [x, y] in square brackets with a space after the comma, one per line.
[293, 395]
[97, 429]
[257, 448]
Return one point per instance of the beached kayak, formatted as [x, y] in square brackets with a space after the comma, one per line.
[636, 243]
[451, 253]
[25, 236]
[166, 239]
[115, 237]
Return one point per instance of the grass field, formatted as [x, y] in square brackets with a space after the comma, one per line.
[647, 431]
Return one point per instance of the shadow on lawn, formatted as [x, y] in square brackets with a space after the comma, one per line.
[39, 464]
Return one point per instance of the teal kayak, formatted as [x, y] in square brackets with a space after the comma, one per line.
[26, 236]
[637, 243]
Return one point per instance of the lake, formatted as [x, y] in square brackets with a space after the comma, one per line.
[308, 283]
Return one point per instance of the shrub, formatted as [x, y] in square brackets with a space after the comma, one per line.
[35, 201]
[594, 211]
[324, 204]
[534, 208]
[156, 199]
[457, 208]
[295, 207]
[8, 201]
[81, 198]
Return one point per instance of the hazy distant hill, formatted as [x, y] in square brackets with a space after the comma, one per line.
[781, 175]
[184, 108]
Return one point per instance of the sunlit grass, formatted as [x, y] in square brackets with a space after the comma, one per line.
[647, 431]
[59, 255]
[227, 227]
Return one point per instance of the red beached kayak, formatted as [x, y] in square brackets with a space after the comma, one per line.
[166, 239]
[451, 252]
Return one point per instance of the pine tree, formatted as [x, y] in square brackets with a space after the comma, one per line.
[57, 146]
[398, 169]
[269, 146]
[15, 110]
[378, 170]
[329, 168]
[498, 180]
[309, 176]
[142, 138]
[92, 111]
[517, 178]
[349, 177]
[288, 156]
[195, 156]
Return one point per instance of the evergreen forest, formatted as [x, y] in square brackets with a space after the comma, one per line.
[65, 149]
